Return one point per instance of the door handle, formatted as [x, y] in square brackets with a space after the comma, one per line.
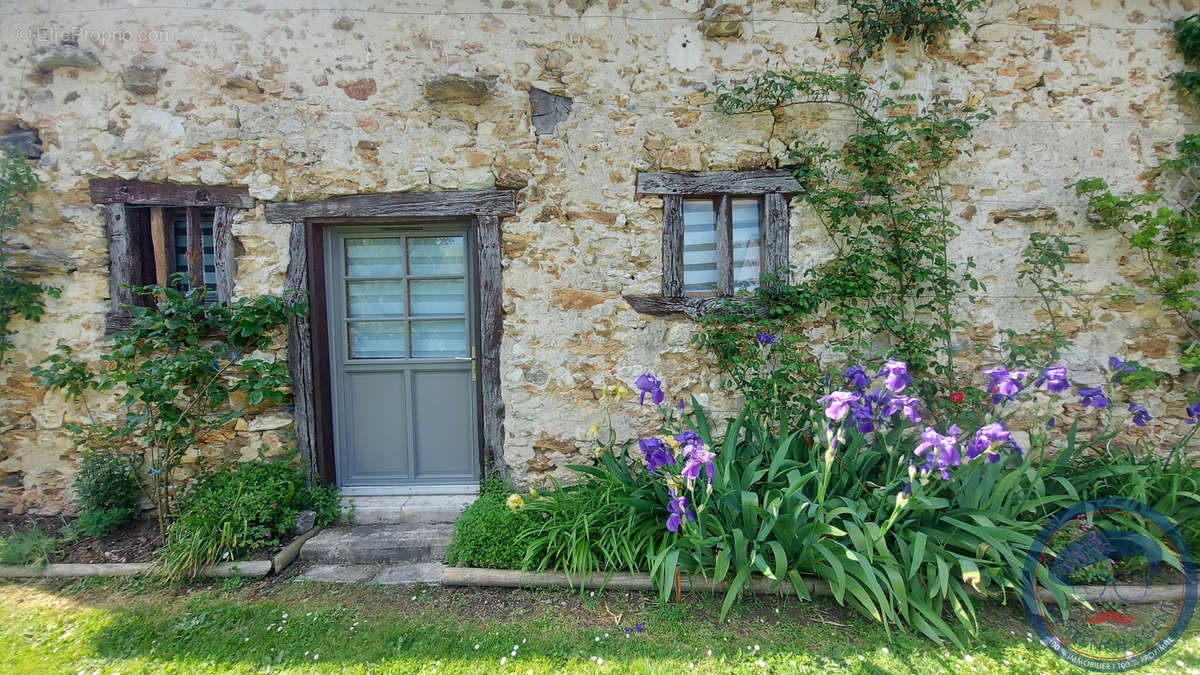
[470, 358]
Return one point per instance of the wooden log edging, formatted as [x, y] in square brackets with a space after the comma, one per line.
[475, 576]
[289, 553]
[244, 568]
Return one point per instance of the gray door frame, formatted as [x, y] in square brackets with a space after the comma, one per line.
[308, 352]
[342, 367]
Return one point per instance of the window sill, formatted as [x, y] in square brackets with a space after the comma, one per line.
[693, 306]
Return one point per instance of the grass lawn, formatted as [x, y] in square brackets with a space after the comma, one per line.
[287, 626]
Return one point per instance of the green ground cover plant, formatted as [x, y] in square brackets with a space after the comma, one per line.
[28, 546]
[487, 532]
[238, 507]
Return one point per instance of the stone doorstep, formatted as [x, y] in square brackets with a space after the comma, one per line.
[407, 509]
[378, 544]
[382, 575]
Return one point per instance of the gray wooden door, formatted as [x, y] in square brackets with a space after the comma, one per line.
[401, 313]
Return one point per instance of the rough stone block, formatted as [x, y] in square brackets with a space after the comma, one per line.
[64, 56]
[141, 78]
[457, 89]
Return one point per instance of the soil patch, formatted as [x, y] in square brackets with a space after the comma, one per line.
[135, 542]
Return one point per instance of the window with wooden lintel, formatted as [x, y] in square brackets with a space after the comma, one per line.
[722, 231]
[155, 230]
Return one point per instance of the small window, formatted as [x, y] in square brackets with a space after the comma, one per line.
[722, 232]
[708, 237]
[179, 250]
[155, 230]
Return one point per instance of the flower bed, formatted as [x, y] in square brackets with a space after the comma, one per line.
[907, 522]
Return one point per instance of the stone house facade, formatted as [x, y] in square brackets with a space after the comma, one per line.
[476, 193]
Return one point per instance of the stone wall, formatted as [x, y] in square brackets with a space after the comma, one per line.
[422, 96]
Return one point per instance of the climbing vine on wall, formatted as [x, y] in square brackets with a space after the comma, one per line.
[19, 296]
[872, 23]
[879, 197]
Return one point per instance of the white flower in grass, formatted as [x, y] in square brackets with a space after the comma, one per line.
[968, 658]
[316, 656]
[884, 650]
[599, 661]
[476, 647]
[503, 660]
[513, 653]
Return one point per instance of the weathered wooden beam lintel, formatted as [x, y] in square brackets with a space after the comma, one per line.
[718, 182]
[135, 193]
[447, 203]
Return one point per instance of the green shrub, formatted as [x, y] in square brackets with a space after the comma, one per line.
[487, 532]
[106, 491]
[239, 507]
[28, 547]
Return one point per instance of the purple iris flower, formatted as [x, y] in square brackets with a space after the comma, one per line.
[649, 384]
[1119, 367]
[1004, 385]
[897, 375]
[697, 457]
[764, 338]
[656, 453]
[838, 404]
[1193, 413]
[904, 404]
[1092, 397]
[857, 378]
[689, 437]
[1140, 414]
[943, 451]
[987, 439]
[677, 507]
[1055, 378]
[863, 418]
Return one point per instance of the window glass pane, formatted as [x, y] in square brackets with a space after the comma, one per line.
[375, 257]
[179, 227]
[436, 255]
[439, 338]
[378, 340]
[699, 246]
[375, 298]
[747, 256]
[438, 296]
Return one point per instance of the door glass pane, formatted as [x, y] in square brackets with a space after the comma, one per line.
[375, 257]
[375, 298]
[699, 246]
[439, 338]
[436, 255]
[378, 340]
[438, 296]
[746, 239]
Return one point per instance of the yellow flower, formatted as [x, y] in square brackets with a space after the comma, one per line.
[533, 493]
[670, 441]
[593, 431]
[673, 482]
[621, 392]
[515, 502]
